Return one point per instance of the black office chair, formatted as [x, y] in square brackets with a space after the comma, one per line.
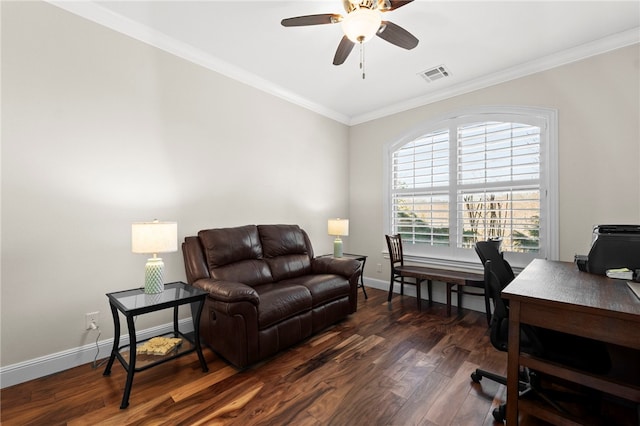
[490, 250]
[396, 257]
[574, 351]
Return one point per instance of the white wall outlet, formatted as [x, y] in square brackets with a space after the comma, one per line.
[379, 268]
[91, 320]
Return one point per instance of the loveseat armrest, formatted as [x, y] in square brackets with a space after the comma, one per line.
[330, 265]
[228, 291]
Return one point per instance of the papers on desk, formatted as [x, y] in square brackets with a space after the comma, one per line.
[635, 287]
[620, 273]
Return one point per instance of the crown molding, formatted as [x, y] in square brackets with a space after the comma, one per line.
[613, 42]
[105, 17]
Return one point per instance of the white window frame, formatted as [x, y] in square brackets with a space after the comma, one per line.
[460, 258]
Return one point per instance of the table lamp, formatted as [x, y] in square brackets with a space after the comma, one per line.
[338, 227]
[153, 238]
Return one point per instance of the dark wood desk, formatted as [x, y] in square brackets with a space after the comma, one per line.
[555, 295]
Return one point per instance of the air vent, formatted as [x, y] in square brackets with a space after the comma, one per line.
[435, 73]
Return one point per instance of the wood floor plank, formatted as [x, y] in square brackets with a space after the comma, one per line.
[426, 393]
[443, 412]
[453, 360]
[468, 413]
[204, 382]
[365, 396]
[236, 404]
[359, 350]
[412, 369]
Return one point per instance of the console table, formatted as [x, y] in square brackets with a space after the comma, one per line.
[462, 281]
[557, 296]
[132, 303]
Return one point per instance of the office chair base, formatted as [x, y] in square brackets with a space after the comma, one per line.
[500, 413]
[477, 375]
[529, 382]
[523, 383]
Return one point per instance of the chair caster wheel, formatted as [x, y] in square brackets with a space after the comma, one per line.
[499, 414]
[476, 377]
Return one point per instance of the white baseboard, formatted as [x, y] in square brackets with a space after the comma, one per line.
[60, 361]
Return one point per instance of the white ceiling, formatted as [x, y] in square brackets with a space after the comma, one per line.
[479, 42]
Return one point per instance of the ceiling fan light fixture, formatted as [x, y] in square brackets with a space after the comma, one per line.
[361, 24]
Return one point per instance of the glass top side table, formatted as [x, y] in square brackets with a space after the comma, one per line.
[132, 303]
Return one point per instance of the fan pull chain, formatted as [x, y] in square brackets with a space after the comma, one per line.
[362, 58]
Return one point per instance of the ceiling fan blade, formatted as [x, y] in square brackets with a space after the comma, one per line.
[397, 35]
[344, 48]
[300, 21]
[397, 4]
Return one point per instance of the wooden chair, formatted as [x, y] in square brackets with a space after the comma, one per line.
[399, 271]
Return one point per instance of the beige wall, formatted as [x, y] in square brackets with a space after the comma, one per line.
[99, 131]
[598, 103]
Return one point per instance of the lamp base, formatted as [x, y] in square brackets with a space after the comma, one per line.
[337, 247]
[154, 276]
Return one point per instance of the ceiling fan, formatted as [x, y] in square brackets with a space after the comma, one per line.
[363, 21]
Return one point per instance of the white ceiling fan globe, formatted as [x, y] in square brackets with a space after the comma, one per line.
[361, 24]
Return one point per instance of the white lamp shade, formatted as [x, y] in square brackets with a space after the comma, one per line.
[338, 227]
[154, 237]
[361, 24]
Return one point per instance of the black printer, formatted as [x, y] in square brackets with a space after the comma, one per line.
[612, 247]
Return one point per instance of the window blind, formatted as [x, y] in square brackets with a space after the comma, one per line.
[498, 184]
[420, 201]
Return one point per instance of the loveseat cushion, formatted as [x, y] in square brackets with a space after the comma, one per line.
[280, 301]
[251, 272]
[289, 266]
[324, 288]
[285, 249]
[227, 245]
[235, 254]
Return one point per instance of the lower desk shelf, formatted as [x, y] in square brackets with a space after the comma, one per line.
[607, 412]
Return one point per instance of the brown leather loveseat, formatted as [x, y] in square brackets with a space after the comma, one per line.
[266, 289]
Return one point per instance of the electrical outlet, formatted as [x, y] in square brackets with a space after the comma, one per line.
[379, 268]
[91, 318]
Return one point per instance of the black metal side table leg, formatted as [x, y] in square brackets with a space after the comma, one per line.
[116, 340]
[196, 336]
[131, 369]
[176, 331]
[362, 278]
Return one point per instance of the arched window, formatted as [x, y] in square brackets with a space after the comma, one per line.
[477, 174]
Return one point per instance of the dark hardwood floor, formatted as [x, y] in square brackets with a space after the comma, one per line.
[379, 366]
